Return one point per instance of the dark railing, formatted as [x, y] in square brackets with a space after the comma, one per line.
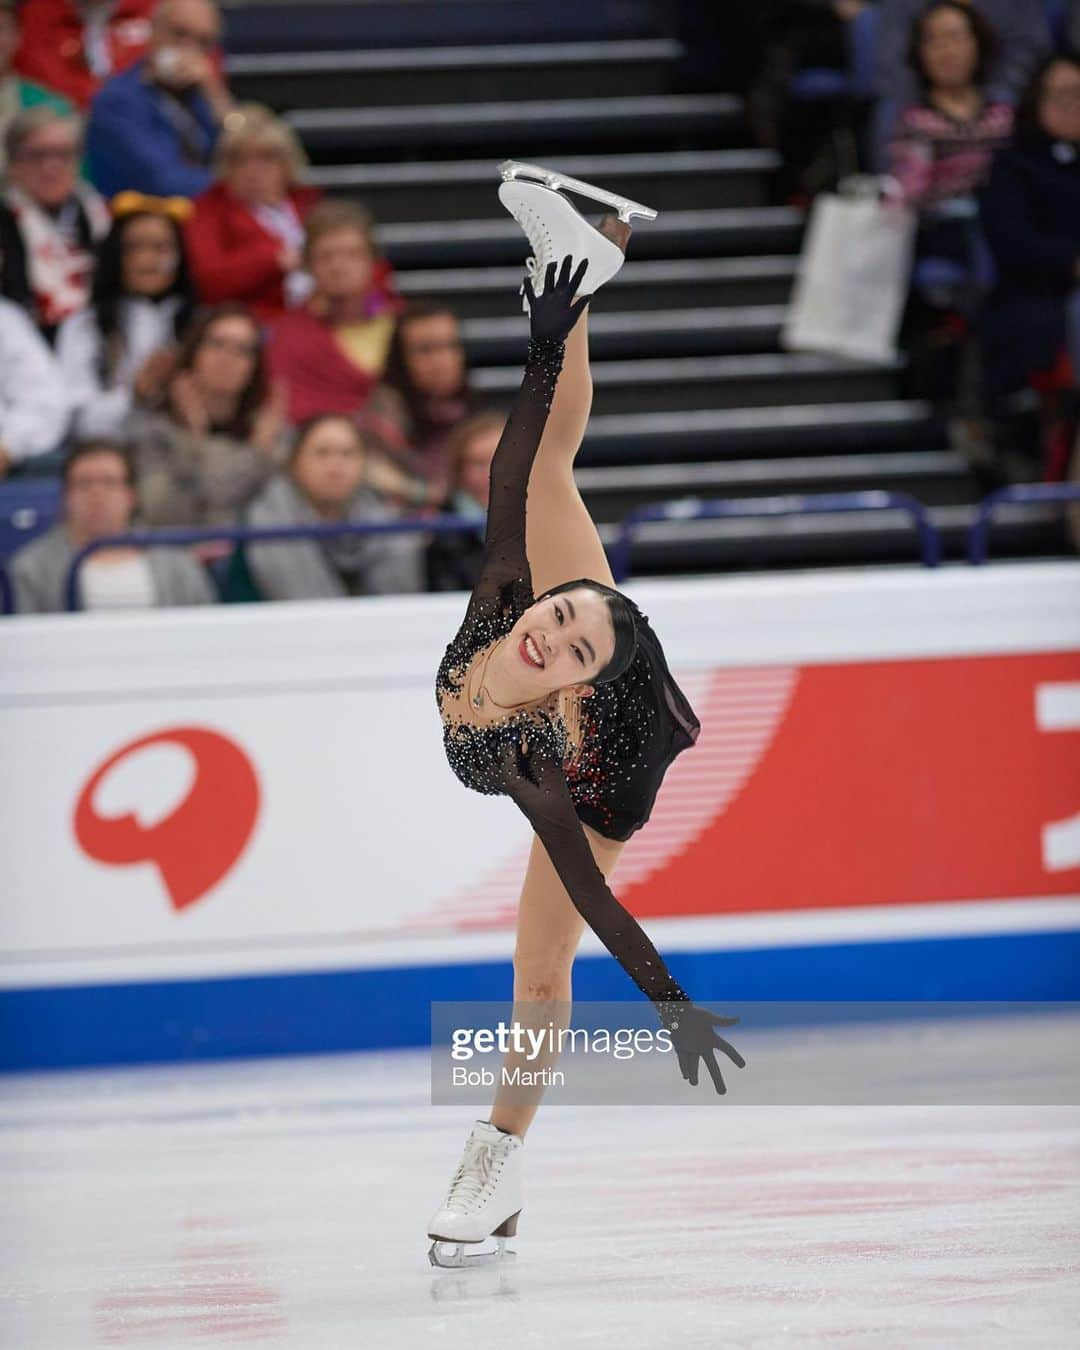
[693, 508]
[241, 534]
[1015, 494]
[7, 592]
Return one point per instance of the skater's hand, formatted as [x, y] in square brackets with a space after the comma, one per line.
[552, 313]
[694, 1038]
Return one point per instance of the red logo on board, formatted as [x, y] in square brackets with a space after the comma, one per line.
[200, 838]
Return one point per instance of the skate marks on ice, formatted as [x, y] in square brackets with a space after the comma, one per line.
[282, 1203]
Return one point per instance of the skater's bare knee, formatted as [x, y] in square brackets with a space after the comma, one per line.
[544, 977]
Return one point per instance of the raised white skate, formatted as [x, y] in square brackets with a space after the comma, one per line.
[484, 1200]
[552, 178]
[555, 227]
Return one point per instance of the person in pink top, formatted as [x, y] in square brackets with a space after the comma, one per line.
[945, 143]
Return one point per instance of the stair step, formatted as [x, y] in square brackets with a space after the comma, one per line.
[459, 189]
[626, 438]
[679, 383]
[385, 131]
[840, 539]
[673, 332]
[411, 75]
[937, 476]
[488, 292]
[744, 230]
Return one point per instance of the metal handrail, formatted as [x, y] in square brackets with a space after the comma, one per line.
[694, 508]
[179, 537]
[1015, 493]
[7, 592]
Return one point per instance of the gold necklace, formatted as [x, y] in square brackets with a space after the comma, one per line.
[477, 699]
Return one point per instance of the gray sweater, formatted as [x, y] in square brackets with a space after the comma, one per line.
[317, 569]
[39, 575]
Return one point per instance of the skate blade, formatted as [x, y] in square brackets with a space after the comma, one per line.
[551, 178]
[449, 1255]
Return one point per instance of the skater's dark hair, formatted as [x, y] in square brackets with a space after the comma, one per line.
[624, 619]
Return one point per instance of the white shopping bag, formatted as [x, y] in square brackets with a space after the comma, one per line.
[853, 277]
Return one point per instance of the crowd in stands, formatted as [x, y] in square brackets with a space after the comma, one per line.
[192, 336]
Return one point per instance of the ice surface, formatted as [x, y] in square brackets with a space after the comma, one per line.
[282, 1203]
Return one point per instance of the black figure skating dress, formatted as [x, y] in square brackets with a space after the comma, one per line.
[631, 730]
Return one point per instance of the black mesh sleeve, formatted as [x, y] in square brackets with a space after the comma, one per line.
[538, 786]
[505, 560]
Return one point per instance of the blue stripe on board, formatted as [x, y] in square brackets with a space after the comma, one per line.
[368, 1009]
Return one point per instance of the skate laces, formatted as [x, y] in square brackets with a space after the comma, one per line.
[472, 1177]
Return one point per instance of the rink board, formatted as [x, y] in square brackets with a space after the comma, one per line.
[234, 831]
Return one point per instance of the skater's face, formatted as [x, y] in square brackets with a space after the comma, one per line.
[434, 355]
[949, 50]
[572, 635]
[328, 465]
[342, 263]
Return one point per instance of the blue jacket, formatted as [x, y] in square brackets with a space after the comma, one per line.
[133, 142]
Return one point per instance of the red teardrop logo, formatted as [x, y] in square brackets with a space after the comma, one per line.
[199, 840]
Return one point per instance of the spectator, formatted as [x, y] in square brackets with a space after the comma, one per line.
[1023, 36]
[1031, 216]
[99, 500]
[453, 560]
[324, 482]
[220, 437]
[154, 127]
[122, 349]
[423, 396]
[33, 402]
[945, 143]
[16, 95]
[246, 237]
[332, 351]
[50, 221]
[73, 45]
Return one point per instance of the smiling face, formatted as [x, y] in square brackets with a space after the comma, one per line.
[562, 641]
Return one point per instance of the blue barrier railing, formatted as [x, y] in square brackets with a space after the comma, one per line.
[7, 593]
[694, 508]
[182, 537]
[1014, 494]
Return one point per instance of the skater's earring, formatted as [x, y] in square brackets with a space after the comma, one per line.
[582, 690]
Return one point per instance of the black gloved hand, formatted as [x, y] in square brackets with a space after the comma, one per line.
[694, 1038]
[552, 315]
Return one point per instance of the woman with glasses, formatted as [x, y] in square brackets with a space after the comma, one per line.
[220, 434]
[50, 221]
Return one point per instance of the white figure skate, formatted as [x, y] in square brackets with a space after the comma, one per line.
[484, 1200]
[555, 227]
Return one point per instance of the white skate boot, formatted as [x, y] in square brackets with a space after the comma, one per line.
[484, 1200]
[555, 227]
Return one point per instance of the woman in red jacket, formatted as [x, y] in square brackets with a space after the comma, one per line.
[245, 237]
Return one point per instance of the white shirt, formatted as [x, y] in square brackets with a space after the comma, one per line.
[145, 327]
[34, 408]
[126, 583]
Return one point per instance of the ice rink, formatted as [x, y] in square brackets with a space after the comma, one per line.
[283, 1203]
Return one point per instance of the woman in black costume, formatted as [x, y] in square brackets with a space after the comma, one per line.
[555, 692]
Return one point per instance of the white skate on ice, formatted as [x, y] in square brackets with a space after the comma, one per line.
[555, 227]
[484, 1201]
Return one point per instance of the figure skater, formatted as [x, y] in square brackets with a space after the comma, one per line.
[555, 692]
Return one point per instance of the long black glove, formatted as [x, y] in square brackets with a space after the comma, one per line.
[694, 1038]
[552, 315]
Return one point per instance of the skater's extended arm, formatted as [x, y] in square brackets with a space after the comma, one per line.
[538, 786]
[553, 315]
